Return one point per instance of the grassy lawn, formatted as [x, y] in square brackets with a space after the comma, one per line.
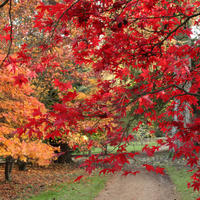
[136, 146]
[180, 177]
[86, 189]
[130, 148]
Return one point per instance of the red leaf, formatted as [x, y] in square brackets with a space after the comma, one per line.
[36, 112]
[78, 178]
[59, 107]
[6, 37]
[160, 141]
[62, 86]
[75, 147]
[90, 130]
[20, 79]
[69, 97]
[130, 172]
[90, 144]
[103, 171]
[160, 170]
[149, 167]
[78, 156]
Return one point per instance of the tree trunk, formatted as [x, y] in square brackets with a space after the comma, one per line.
[186, 112]
[8, 168]
[105, 149]
[21, 165]
[89, 152]
[66, 157]
[65, 151]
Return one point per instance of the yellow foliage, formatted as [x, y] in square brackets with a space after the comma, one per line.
[81, 96]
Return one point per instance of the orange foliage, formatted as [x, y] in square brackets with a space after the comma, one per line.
[16, 105]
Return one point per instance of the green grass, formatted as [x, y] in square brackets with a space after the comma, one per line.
[180, 177]
[86, 189]
[136, 146]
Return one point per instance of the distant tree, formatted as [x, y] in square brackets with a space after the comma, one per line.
[16, 106]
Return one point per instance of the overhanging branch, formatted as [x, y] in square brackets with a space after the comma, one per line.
[187, 93]
[177, 28]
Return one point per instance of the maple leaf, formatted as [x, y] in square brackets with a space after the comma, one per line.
[104, 171]
[130, 172]
[60, 107]
[20, 79]
[62, 86]
[80, 156]
[36, 112]
[6, 37]
[90, 144]
[69, 97]
[160, 170]
[196, 186]
[149, 151]
[90, 130]
[149, 167]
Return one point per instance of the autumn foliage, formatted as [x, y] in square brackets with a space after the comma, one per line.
[16, 106]
[140, 54]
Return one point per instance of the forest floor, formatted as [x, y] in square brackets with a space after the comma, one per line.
[143, 186]
[34, 180]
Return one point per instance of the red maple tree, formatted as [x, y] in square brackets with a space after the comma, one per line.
[147, 50]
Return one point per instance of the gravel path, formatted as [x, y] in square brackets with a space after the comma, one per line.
[143, 186]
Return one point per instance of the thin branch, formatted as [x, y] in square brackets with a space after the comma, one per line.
[57, 23]
[167, 87]
[146, 93]
[133, 100]
[186, 92]
[160, 17]
[156, 91]
[4, 3]
[11, 33]
[173, 31]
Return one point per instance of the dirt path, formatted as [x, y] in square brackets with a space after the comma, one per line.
[143, 186]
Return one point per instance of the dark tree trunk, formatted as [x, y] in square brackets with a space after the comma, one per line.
[105, 149]
[65, 151]
[89, 152]
[21, 165]
[66, 157]
[8, 168]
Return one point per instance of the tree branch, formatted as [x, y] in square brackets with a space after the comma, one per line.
[11, 33]
[4, 3]
[62, 17]
[188, 93]
[173, 31]
[167, 87]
